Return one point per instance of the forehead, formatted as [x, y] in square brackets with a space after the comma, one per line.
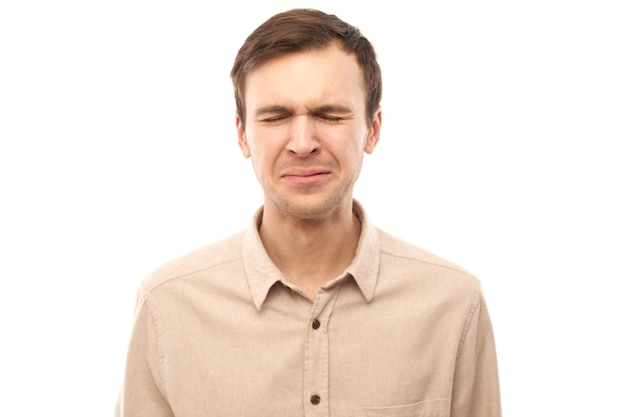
[307, 78]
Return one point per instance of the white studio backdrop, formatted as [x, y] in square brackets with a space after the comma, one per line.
[501, 150]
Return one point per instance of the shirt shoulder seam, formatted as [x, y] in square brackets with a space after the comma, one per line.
[147, 289]
[159, 348]
[439, 264]
[473, 309]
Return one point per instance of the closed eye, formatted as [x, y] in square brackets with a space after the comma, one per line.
[274, 119]
[330, 119]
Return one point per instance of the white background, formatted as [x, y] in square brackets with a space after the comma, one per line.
[502, 150]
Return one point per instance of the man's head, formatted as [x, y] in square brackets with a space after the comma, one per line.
[308, 91]
[301, 30]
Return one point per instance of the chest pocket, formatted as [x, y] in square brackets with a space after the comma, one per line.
[430, 408]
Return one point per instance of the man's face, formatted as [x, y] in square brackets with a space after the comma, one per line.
[306, 130]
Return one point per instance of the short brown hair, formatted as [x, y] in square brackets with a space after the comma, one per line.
[300, 30]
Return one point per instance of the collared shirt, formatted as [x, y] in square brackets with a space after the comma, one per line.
[221, 332]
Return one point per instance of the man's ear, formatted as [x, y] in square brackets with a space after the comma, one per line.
[242, 139]
[373, 133]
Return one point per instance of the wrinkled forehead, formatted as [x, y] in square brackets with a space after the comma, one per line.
[307, 79]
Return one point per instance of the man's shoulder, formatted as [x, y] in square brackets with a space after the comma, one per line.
[400, 249]
[202, 259]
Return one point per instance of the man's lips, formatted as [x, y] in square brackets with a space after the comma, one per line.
[305, 175]
[305, 172]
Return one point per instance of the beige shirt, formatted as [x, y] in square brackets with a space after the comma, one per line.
[401, 332]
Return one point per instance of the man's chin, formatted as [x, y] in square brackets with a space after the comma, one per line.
[308, 207]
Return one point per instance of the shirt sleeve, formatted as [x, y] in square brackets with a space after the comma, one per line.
[143, 391]
[476, 390]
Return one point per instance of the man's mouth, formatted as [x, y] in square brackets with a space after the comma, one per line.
[305, 175]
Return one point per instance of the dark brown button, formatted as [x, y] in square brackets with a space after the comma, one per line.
[315, 399]
[316, 324]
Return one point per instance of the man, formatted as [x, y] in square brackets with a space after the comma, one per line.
[312, 310]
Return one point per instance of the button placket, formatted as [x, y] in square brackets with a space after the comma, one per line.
[316, 354]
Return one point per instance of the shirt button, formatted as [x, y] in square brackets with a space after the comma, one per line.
[315, 324]
[315, 399]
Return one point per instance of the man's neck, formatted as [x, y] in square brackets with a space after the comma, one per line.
[310, 252]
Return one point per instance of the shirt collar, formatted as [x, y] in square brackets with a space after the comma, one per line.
[262, 274]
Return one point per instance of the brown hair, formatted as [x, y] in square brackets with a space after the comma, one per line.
[303, 30]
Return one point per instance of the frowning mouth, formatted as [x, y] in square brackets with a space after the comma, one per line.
[305, 176]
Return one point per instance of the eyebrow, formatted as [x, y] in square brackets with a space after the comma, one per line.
[333, 108]
[325, 108]
[271, 109]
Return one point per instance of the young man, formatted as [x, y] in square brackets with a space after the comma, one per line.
[311, 310]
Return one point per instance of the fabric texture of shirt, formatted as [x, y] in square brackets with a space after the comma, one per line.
[221, 332]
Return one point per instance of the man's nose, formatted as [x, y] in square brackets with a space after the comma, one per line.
[302, 139]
